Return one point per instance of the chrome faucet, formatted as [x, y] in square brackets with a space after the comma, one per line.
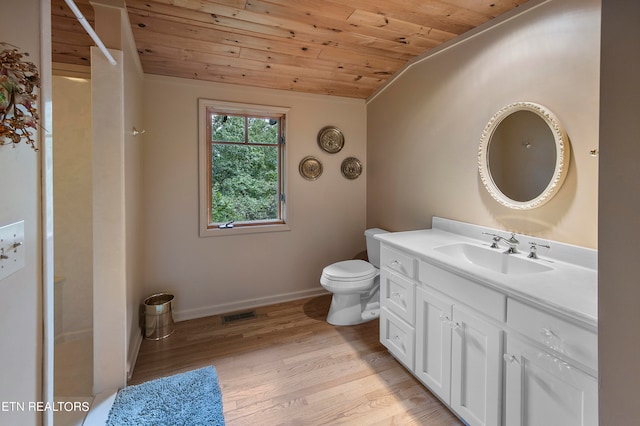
[533, 250]
[512, 242]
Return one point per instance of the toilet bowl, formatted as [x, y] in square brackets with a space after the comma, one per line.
[355, 286]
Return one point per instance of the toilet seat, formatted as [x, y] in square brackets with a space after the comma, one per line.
[350, 270]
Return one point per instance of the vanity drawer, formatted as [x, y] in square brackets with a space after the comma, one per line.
[554, 332]
[398, 295]
[398, 337]
[481, 298]
[397, 261]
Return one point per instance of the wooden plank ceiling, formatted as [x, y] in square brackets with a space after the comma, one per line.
[333, 47]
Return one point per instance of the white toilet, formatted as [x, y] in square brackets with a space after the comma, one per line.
[355, 285]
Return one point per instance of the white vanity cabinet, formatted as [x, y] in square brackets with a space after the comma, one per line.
[550, 368]
[458, 354]
[454, 350]
[397, 304]
[501, 339]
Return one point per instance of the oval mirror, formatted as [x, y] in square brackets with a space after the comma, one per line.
[523, 155]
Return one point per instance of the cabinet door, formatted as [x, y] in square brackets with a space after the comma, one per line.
[542, 390]
[433, 342]
[476, 381]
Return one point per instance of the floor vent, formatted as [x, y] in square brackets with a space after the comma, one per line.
[226, 319]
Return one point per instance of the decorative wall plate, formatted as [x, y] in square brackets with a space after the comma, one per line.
[310, 168]
[330, 139]
[351, 168]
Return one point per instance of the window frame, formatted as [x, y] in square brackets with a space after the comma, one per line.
[208, 228]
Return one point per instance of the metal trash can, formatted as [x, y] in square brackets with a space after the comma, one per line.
[158, 316]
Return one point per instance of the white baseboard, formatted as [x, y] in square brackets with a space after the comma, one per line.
[99, 412]
[134, 348]
[208, 311]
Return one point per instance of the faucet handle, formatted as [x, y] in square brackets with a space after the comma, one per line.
[513, 238]
[533, 250]
[495, 239]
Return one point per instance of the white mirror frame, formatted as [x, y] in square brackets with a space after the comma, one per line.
[563, 152]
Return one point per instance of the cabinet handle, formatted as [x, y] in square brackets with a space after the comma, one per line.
[396, 265]
[454, 325]
[509, 358]
[446, 320]
[552, 340]
[561, 364]
[398, 296]
[399, 342]
[548, 333]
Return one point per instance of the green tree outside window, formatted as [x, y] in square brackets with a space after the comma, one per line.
[245, 155]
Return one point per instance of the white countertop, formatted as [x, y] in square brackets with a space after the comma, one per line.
[570, 288]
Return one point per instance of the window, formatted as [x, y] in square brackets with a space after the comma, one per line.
[241, 167]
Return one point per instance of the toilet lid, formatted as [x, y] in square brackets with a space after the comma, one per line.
[350, 269]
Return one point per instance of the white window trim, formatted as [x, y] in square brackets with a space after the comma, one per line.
[203, 179]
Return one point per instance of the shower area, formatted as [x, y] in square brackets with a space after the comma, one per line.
[73, 251]
[98, 219]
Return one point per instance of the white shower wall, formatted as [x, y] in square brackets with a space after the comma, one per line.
[72, 208]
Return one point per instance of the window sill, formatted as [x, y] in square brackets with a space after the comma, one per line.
[244, 230]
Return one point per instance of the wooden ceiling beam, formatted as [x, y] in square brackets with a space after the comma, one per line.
[320, 63]
[335, 47]
[206, 34]
[195, 70]
[226, 19]
[148, 42]
[294, 71]
[330, 28]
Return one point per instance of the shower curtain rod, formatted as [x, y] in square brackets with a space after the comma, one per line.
[90, 31]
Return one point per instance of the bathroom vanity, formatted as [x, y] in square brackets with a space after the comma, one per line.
[501, 339]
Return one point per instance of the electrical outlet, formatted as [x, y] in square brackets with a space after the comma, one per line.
[11, 248]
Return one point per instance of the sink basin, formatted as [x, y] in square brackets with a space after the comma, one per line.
[492, 259]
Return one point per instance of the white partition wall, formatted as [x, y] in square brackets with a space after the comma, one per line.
[109, 277]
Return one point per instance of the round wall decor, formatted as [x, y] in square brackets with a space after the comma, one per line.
[330, 139]
[310, 168]
[351, 168]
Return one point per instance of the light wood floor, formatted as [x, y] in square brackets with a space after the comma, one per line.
[289, 367]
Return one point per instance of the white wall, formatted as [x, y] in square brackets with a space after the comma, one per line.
[135, 211]
[424, 129]
[109, 264]
[619, 226]
[117, 196]
[72, 207]
[219, 274]
[20, 304]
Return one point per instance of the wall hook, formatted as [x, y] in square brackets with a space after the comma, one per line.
[137, 132]
[594, 152]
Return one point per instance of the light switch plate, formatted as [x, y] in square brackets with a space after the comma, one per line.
[11, 248]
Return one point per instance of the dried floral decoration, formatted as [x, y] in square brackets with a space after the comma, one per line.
[18, 112]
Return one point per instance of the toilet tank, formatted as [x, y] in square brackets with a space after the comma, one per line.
[373, 245]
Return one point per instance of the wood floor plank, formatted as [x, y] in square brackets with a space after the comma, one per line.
[288, 366]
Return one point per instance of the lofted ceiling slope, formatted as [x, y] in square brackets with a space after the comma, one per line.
[334, 47]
